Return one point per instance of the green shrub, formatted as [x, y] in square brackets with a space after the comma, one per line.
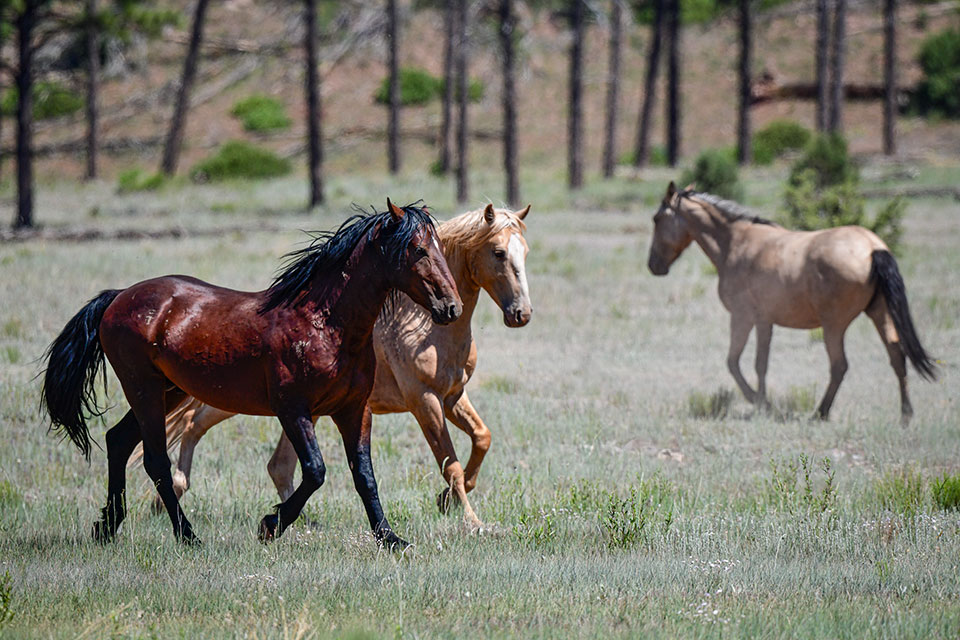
[623, 520]
[794, 486]
[657, 157]
[417, 87]
[946, 492]
[237, 159]
[261, 113]
[777, 138]
[826, 155]
[900, 491]
[939, 91]
[798, 400]
[50, 100]
[715, 405]
[715, 171]
[134, 180]
[824, 191]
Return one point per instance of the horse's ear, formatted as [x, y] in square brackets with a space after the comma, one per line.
[523, 212]
[671, 190]
[489, 214]
[395, 211]
[690, 187]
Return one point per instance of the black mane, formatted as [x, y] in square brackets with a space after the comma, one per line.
[732, 210]
[328, 251]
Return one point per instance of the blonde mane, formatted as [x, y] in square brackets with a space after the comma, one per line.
[469, 230]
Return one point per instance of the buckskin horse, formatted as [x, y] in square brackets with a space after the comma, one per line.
[301, 348]
[798, 279]
[422, 367]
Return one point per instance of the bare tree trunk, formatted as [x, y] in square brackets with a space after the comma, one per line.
[393, 121]
[575, 115]
[508, 23]
[744, 150]
[25, 24]
[673, 82]
[449, 28]
[641, 151]
[889, 76]
[835, 116]
[613, 86]
[314, 113]
[461, 54]
[93, 82]
[171, 151]
[823, 41]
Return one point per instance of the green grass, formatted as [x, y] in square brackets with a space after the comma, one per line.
[752, 533]
[238, 159]
[135, 180]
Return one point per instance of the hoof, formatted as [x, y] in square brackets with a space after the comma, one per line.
[100, 533]
[189, 539]
[393, 542]
[443, 501]
[268, 528]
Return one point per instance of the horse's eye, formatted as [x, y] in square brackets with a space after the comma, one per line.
[421, 251]
[499, 254]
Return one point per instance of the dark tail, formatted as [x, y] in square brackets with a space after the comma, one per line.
[73, 361]
[887, 276]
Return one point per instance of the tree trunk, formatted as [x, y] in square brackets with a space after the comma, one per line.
[393, 120]
[673, 82]
[744, 150]
[835, 116]
[507, 25]
[613, 86]
[823, 41]
[314, 114]
[575, 115]
[93, 82]
[25, 24]
[889, 76]
[171, 151]
[461, 55]
[641, 151]
[449, 27]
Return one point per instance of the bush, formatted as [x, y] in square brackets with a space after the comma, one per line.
[134, 180]
[657, 157]
[939, 90]
[777, 138]
[50, 100]
[261, 113]
[946, 492]
[715, 171]
[417, 87]
[824, 191]
[237, 159]
[901, 492]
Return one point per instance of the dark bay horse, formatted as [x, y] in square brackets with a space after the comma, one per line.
[299, 349]
[798, 279]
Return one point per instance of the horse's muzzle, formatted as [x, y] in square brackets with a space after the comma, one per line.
[517, 317]
[657, 267]
[446, 312]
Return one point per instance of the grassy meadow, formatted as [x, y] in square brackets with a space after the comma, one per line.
[630, 491]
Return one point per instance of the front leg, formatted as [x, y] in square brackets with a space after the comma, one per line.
[764, 335]
[298, 426]
[354, 425]
[739, 333]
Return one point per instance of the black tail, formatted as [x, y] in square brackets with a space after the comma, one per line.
[73, 361]
[887, 276]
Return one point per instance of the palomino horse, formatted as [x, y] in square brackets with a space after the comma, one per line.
[302, 348]
[798, 279]
[422, 367]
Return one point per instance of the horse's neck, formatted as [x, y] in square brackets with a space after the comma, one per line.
[711, 230]
[353, 298]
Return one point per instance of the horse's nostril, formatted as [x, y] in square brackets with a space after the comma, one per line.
[519, 315]
[452, 312]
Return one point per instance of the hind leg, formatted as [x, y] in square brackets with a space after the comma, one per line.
[740, 328]
[282, 465]
[883, 321]
[833, 340]
[150, 399]
[764, 335]
[121, 441]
